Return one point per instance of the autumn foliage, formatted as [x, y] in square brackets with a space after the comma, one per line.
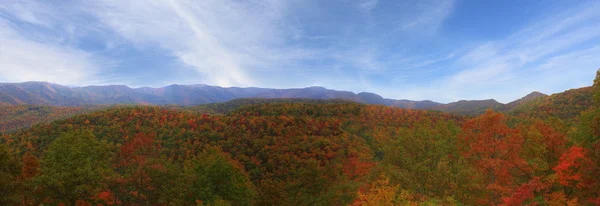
[303, 153]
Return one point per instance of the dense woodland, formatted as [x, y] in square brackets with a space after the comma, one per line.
[309, 153]
[14, 117]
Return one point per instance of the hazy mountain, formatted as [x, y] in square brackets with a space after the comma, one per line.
[410, 104]
[371, 98]
[43, 93]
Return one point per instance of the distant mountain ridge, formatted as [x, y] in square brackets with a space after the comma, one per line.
[44, 93]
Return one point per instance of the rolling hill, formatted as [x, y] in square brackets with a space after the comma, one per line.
[43, 93]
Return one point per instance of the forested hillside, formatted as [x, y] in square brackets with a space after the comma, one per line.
[21, 116]
[304, 152]
[299, 103]
[301, 153]
[566, 105]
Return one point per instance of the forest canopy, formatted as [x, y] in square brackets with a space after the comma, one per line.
[305, 153]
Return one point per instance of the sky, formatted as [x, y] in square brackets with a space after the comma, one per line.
[440, 50]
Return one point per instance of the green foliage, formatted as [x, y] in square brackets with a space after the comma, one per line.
[471, 108]
[566, 106]
[9, 173]
[294, 153]
[424, 159]
[214, 178]
[297, 152]
[22, 116]
[230, 106]
[73, 167]
[587, 131]
[597, 88]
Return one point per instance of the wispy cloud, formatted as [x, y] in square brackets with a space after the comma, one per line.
[399, 49]
[221, 39]
[230, 43]
[28, 11]
[25, 60]
[367, 5]
[425, 17]
[512, 67]
[26, 57]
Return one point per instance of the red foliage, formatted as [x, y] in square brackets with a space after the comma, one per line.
[354, 167]
[524, 192]
[493, 148]
[570, 166]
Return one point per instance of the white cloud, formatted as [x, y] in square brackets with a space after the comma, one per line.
[223, 40]
[546, 56]
[28, 11]
[367, 5]
[426, 16]
[275, 43]
[22, 59]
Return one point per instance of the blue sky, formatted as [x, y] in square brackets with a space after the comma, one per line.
[427, 49]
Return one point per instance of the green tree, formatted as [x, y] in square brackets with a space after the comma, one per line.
[597, 89]
[425, 160]
[215, 178]
[587, 134]
[73, 167]
[9, 173]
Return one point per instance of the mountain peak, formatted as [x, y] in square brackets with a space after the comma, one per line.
[371, 98]
[317, 87]
[535, 93]
[527, 98]
[531, 96]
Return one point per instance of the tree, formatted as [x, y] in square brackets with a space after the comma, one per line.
[142, 176]
[9, 172]
[493, 147]
[214, 177]
[425, 160]
[380, 193]
[30, 169]
[73, 167]
[570, 167]
[581, 164]
[597, 89]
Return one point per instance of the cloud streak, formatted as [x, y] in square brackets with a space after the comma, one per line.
[26, 59]
[220, 39]
[399, 49]
[526, 61]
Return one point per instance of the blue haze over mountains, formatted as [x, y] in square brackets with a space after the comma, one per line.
[43, 93]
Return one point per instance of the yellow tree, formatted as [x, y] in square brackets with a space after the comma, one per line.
[381, 193]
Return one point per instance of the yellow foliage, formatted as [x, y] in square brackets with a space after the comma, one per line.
[380, 194]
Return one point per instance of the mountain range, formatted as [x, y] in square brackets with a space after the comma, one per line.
[44, 93]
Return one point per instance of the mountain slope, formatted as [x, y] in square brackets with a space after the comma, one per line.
[42, 93]
[526, 99]
[471, 107]
[293, 153]
[564, 105]
[14, 117]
